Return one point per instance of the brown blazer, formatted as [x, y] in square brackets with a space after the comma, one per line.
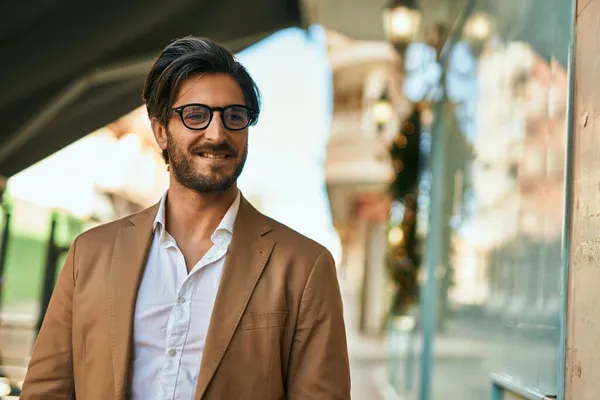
[277, 329]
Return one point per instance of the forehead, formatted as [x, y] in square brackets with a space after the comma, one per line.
[210, 89]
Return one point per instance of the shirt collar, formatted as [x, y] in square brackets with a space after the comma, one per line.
[221, 235]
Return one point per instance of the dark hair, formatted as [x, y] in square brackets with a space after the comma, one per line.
[185, 57]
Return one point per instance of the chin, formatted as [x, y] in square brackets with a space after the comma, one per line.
[215, 187]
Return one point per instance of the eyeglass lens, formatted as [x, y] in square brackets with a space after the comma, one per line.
[198, 117]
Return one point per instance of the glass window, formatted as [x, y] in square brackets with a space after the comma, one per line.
[501, 200]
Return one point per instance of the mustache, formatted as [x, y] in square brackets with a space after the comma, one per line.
[214, 148]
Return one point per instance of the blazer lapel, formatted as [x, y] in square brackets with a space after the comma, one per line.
[131, 249]
[249, 251]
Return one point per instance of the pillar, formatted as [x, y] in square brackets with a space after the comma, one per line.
[582, 363]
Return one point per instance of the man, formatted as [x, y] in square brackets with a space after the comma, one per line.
[200, 296]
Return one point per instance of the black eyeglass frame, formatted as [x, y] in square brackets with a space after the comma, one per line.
[211, 110]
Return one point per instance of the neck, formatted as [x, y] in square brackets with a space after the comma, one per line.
[193, 215]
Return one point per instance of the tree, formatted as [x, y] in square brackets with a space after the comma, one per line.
[404, 252]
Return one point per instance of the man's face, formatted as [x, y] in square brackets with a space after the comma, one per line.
[211, 159]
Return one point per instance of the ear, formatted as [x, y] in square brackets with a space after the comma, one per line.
[160, 133]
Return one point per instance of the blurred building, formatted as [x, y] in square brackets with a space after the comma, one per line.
[118, 170]
[506, 202]
[492, 82]
[358, 165]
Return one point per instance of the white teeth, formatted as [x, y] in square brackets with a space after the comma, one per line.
[209, 155]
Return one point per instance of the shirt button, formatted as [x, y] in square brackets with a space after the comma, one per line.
[172, 353]
[181, 299]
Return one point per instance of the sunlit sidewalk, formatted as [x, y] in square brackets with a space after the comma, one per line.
[367, 355]
[374, 361]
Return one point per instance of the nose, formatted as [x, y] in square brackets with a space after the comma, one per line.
[215, 132]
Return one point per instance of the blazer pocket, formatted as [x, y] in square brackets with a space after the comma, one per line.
[263, 320]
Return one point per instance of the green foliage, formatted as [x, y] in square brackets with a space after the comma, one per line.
[24, 268]
[26, 257]
[404, 256]
[405, 154]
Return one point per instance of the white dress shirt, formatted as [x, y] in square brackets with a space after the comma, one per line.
[173, 311]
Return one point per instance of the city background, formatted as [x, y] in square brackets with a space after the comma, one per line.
[425, 144]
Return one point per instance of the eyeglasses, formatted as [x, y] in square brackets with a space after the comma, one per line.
[198, 116]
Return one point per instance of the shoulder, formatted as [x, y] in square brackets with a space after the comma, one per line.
[103, 235]
[290, 245]
[309, 267]
[297, 245]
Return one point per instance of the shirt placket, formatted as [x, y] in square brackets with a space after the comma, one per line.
[180, 318]
[177, 330]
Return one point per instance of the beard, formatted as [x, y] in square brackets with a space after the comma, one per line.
[181, 164]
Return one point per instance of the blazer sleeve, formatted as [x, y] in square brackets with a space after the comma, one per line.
[319, 367]
[50, 371]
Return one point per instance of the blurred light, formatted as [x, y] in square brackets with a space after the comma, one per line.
[401, 141]
[5, 388]
[405, 323]
[395, 236]
[382, 111]
[397, 212]
[427, 117]
[401, 22]
[421, 275]
[478, 27]
[408, 128]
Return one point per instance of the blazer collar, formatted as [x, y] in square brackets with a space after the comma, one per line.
[249, 251]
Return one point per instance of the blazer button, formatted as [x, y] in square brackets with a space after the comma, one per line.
[172, 353]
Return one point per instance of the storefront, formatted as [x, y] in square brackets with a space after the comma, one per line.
[490, 319]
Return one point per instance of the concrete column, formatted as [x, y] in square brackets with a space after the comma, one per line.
[374, 282]
[583, 302]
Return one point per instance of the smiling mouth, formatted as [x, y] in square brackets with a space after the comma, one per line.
[214, 156]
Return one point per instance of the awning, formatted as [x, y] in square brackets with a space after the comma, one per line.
[69, 67]
[544, 24]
